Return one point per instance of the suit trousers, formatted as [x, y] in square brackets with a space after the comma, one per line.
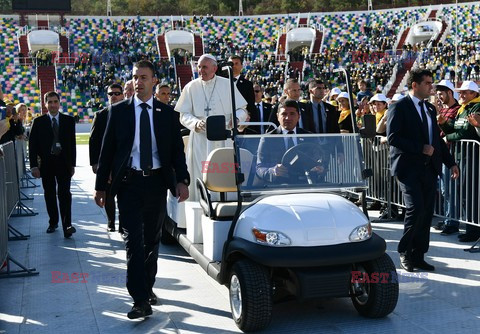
[142, 206]
[57, 175]
[110, 206]
[419, 191]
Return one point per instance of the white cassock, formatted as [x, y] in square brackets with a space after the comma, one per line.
[198, 100]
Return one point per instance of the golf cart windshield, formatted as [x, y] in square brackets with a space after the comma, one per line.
[303, 162]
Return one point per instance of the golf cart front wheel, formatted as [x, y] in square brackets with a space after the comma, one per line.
[374, 287]
[250, 296]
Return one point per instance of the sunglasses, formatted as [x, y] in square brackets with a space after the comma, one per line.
[114, 93]
[257, 91]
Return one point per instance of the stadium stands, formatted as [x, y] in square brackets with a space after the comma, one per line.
[107, 46]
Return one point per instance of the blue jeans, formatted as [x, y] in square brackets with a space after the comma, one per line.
[448, 193]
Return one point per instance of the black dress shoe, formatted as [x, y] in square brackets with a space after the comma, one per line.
[464, 237]
[152, 298]
[51, 229]
[449, 230]
[375, 206]
[423, 265]
[111, 229]
[140, 310]
[69, 231]
[440, 226]
[405, 263]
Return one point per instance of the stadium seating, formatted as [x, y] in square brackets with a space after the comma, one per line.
[254, 37]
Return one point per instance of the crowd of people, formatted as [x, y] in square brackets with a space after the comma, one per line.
[310, 101]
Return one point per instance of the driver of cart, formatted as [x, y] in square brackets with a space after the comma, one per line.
[270, 152]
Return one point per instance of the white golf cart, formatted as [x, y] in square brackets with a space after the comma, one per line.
[267, 237]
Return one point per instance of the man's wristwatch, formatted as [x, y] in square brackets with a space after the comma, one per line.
[185, 182]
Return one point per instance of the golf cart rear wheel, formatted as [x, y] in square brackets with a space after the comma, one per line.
[376, 294]
[250, 296]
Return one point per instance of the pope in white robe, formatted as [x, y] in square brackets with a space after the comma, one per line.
[208, 95]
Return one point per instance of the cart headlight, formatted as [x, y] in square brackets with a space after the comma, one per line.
[361, 233]
[271, 238]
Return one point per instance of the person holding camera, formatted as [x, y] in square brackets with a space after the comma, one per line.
[13, 125]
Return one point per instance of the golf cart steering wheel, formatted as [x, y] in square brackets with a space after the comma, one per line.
[300, 159]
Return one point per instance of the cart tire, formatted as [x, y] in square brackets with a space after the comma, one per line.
[250, 292]
[375, 296]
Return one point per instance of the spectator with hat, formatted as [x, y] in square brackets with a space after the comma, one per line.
[380, 104]
[345, 119]
[458, 129]
[447, 107]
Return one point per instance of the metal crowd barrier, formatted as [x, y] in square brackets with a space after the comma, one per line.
[457, 199]
[3, 212]
[11, 180]
[9, 203]
[15, 157]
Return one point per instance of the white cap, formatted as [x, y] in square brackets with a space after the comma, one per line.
[342, 95]
[207, 56]
[379, 98]
[446, 83]
[397, 97]
[335, 91]
[468, 85]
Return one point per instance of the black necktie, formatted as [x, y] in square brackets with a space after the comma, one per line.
[290, 142]
[260, 118]
[320, 118]
[424, 121]
[56, 143]
[146, 161]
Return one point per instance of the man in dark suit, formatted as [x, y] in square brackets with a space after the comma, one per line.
[323, 116]
[271, 150]
[53, 153]
[262, 113]
[416, 155]
[143, 153]
[99, 124]
[245, 87]
[163, 93]
[292, 90]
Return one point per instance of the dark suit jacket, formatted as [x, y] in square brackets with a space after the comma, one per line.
[406, 139]
[269, 155]
[99, 125]
[305, 116]
[41, 138]
[332, 118]
[245, 87]
[255, 117]
[118, 142]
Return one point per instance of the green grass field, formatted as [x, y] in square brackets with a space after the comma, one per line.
[82, 138]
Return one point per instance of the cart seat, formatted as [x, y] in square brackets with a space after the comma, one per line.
[218, 179]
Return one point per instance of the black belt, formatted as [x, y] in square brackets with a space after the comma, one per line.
[145, 173]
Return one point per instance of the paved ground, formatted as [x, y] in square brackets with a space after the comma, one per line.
[447, 301]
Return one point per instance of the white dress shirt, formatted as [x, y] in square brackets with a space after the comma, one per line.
[135, 154]
[419, 111]
[285, 139]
